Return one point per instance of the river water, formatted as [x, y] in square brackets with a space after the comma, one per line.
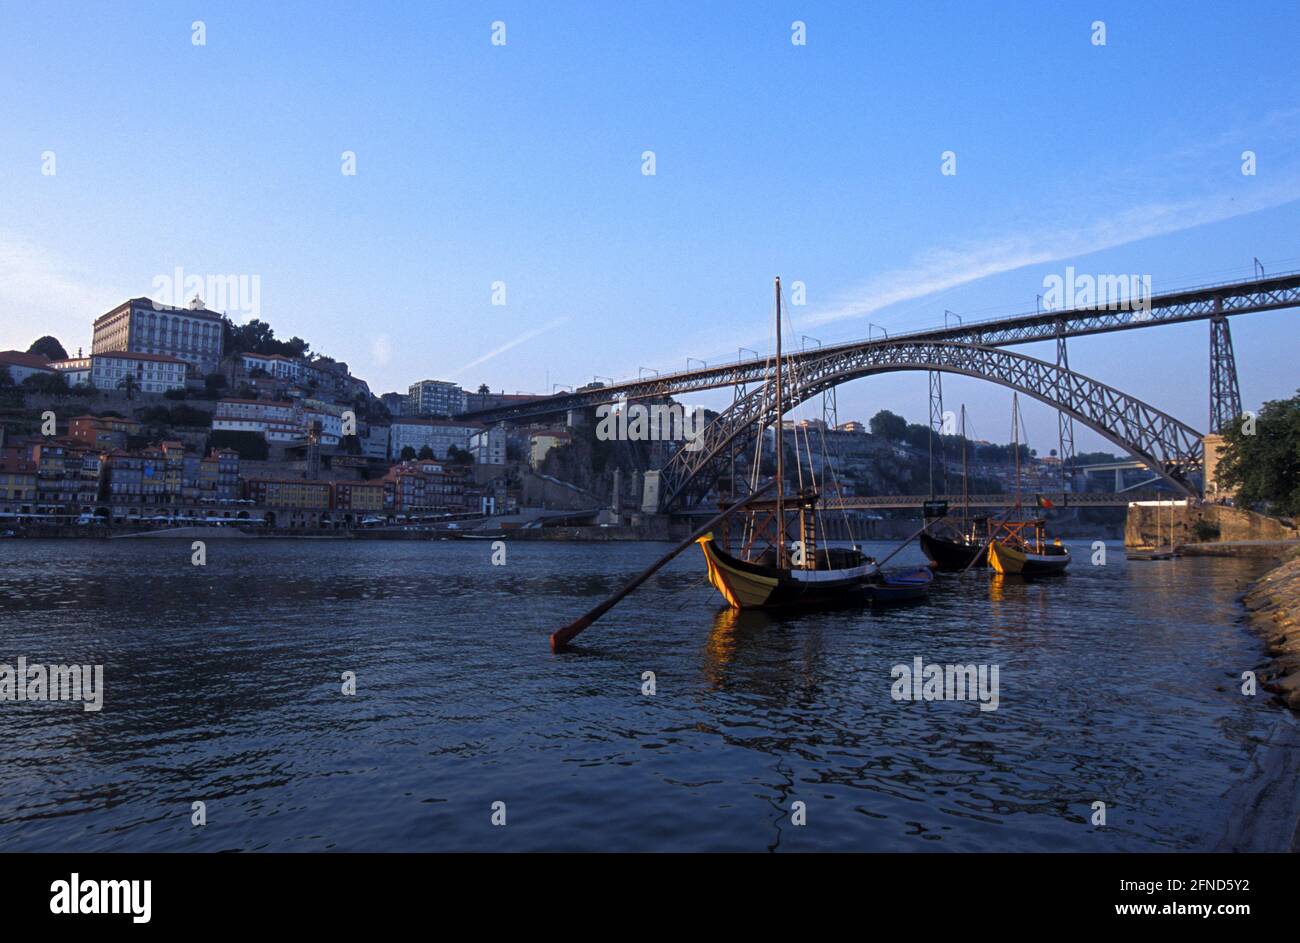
[1118, 683]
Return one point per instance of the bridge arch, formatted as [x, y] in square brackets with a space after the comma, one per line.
[1171, 448]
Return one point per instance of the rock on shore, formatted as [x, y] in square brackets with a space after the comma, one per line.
[1274, 604]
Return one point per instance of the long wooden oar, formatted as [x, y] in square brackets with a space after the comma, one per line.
[562, 637]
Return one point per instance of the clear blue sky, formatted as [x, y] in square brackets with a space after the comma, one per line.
[522, 163]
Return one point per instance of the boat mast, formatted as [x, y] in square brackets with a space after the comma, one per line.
[1015, 441]
[965, 477]
[780, 443]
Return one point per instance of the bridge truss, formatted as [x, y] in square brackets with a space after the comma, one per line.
[1171, 448]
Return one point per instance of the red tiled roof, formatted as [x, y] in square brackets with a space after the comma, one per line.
[258, 402]
[18, 358]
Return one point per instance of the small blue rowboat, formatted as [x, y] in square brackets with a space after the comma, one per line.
[903, 586]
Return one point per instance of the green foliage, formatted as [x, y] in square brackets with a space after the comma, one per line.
[408, 453]
[1261, 460]
[1095, 458]
[258, 337]
[53, 383]
[182, 415]
[1204, 530]
[48, 347]
[458, 456]
[250, 445]
[888, 426]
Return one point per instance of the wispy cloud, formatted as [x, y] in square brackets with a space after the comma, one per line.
[509, 345]
[938, 270]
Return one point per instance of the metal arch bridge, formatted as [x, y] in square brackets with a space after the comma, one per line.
[1214, 303]
[1169, 447]
[1059, 499]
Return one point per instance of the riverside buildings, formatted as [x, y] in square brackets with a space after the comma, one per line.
[20, 365]
[440, 435]
[149, 373]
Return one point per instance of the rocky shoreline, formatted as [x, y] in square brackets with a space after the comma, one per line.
[1274, 605]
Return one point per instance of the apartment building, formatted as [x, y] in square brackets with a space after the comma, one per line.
[276, 421]
[152, 373]
[435, 398]
[488, 446]
[440, 435]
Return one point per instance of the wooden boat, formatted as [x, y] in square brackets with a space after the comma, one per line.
[906, 586]
[1021, 547]
[801, 574]
[1010, 555]
[952, 542]
[747, 584]
[1149, 553]
[954, 551]
[782, 576]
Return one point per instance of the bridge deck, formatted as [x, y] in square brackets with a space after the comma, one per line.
[1182, 305]
[1089, 499]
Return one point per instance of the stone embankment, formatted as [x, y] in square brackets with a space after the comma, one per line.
[1274, 604]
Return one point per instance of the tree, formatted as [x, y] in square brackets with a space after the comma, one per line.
[249, 445]
[408, 453]
[1262, 459]
[484, 389]
[425, 452]
[42, 382]
[889, 426]
[49, 348]
[129, 384]
[458, 456]
[214, 382]
[6, 379]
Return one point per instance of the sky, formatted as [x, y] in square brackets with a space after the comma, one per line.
[479, 164]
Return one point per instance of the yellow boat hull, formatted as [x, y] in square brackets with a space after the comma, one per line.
[741, 590]
[1007, 559]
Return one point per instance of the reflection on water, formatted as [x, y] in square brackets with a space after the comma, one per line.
[222, 683]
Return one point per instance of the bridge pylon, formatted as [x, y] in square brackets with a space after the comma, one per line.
[1064, 424]
[936, 428]
[1225, 395]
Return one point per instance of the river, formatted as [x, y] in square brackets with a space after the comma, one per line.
[1118, 683]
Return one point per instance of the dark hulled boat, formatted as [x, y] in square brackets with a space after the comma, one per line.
[953, 552]
[801, 575]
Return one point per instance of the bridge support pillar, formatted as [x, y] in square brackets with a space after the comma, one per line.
[650, 496]
[936, 428]
[1064, 424]
[1225, 396]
